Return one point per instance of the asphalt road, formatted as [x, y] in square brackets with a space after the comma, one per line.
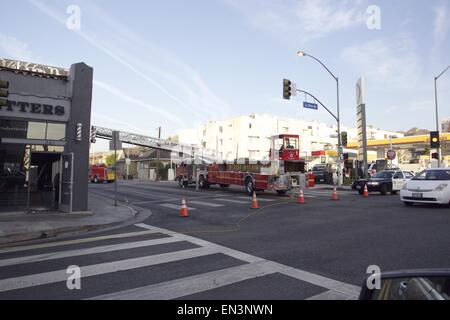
[225, 250]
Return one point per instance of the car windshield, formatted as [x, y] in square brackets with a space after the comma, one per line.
[433, 175]
[384, 174]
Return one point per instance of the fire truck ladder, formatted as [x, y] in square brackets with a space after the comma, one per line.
[182, 150]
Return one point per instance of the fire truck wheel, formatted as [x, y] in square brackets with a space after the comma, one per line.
[249, 187]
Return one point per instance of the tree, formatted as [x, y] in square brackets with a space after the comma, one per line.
[110, 160]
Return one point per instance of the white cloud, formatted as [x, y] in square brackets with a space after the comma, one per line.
[393, 64]
[169, 116]
[14, 48]
[441, 24]
[303, 20]
[197, 98]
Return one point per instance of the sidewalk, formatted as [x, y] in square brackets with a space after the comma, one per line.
[19, 226]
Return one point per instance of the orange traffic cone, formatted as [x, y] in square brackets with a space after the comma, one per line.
[184, 210]
[366, 191]
[301, 197]
[335, 196]
[255, 204]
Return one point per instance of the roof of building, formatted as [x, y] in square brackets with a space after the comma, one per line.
[35, 69]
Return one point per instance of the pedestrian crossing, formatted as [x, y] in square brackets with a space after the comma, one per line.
[220, 201]
[34, 273]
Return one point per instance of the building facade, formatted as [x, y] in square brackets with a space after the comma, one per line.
[249, 136]
[44, 132]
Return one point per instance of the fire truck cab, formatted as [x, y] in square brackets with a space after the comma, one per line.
[101, 174]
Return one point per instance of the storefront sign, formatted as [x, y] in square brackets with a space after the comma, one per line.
[37, 109]
[34, 68]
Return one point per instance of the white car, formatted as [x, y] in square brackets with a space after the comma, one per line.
[429, 186]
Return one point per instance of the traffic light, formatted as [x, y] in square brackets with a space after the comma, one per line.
[287, 89]
[93, 134]
[344, 139]
[434, 140]
[4, 93]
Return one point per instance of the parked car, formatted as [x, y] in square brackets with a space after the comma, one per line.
[428, 186]
[322, 174]
[385, 181]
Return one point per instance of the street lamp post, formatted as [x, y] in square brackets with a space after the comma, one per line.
[304, 54]
[437, 113]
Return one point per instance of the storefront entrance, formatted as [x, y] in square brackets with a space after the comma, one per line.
[30, 180]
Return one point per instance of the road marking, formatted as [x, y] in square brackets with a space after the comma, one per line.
[259, 199]
[77, 241]
[174, 206]
[88, 251]
[330, 295]
[191, 285]
[344, 288]
[98, 269]
[154, 201]
[207, 204]
[233, 201]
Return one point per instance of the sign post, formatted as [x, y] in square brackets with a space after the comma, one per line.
[115, 144]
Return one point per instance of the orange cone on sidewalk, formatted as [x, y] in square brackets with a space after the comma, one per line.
[301, 197]
[184, 210]
[335, 196]
[366, 191]
[255, 204]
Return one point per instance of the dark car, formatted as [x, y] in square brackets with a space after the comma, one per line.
[321, 174]
[385, 181]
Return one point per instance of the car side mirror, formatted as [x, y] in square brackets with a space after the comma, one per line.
[407, 285]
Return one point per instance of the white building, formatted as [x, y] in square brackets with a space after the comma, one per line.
[446, 125]
[249, 136]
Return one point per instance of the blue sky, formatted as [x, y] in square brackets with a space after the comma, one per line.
[178, 63]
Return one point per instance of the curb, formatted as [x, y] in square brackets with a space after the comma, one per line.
[51, 233]
[66, 231]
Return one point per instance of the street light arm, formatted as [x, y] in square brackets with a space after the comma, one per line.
[323, 65]
[440, 75]
[309, 94]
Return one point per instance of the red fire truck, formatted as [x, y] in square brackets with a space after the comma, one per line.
[280, 173]
[101, 174]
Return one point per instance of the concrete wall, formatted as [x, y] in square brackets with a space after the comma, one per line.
[80, 79]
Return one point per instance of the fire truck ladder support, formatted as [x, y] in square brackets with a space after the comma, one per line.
[195, 152]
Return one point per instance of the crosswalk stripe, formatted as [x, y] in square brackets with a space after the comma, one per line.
[174, 206]
[259, 199]
[207, 204]
[233, 201]
[78, 241]
[191, 285]
[103, 268]
[88, 251]
[321, 281]
[331, 295]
